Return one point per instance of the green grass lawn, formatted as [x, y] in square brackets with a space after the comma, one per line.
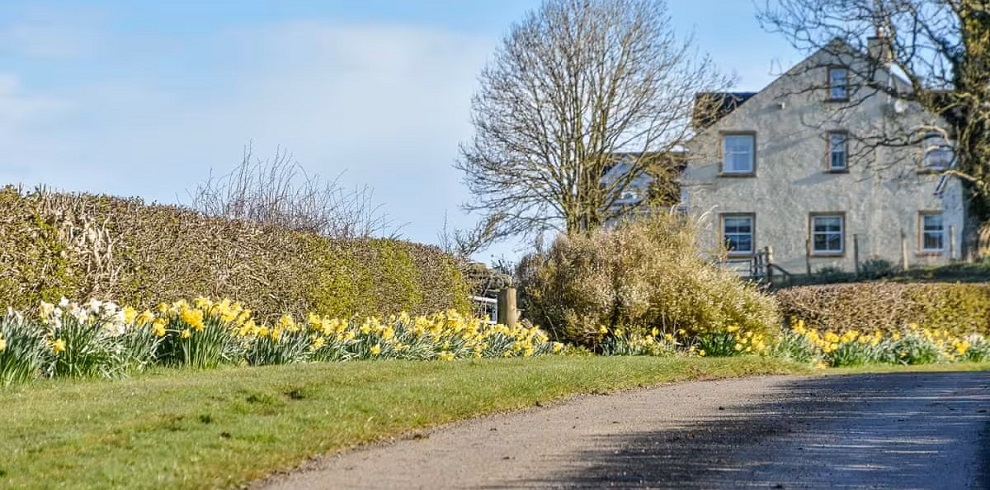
[196, 429]
[223, 428]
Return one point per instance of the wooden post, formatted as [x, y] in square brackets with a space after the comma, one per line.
[952, 243]
[507, 313]
[807, 255]
[856, 253]
[768, 262]
[904, 251]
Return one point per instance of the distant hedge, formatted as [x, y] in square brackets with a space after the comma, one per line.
[87, 246]
[888, 307]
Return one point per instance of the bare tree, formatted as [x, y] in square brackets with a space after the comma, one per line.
[574, 83]
[939, 54]
[278, 191]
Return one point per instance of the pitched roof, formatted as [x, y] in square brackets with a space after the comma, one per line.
[709, 107]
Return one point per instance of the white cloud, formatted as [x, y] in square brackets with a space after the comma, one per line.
[389, 104]
[49, 33]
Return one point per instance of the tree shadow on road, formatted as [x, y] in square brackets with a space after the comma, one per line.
[914, 430]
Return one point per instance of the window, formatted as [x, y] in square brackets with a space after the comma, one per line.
[826, 234]
[738, 153]
[838, 154]
[937, 154]
[737, 233]
[629, 196]
[838, 83]
[932, 232]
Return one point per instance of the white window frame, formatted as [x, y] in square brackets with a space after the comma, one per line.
[837, 91]
[844, 151]
[925, 231]
[752, 233]
[727, 154]
[826, 233]
[935, 143]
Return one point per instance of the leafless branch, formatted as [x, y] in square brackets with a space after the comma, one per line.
[574, 83]
[279, 191]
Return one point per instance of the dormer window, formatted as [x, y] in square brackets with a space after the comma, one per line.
[838, 83]
[738, 154]
[936, 152]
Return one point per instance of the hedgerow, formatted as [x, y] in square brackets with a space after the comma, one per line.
[55, 245]
[959, 309]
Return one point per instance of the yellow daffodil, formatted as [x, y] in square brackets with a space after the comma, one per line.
[192, 317]
[158, 327]
[58, 346]
[144, 318]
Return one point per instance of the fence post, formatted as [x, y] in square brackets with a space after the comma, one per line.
[856, 252]
[807, 255]
[768, 263]
[507, 313]
[904, 250]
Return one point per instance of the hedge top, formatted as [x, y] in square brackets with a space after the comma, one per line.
[94, 246]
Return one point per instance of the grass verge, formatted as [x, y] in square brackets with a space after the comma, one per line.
[207, 429]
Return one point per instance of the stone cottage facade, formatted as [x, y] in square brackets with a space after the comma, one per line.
[794, 167]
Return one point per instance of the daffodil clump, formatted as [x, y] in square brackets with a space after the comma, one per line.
[202, 334]
[102, 339]
[93, 339]
[445, 336]
[623, 342]
[912, 345]
[731, 341]
[22, 349]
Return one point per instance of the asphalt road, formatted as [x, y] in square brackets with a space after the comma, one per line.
[928, 430]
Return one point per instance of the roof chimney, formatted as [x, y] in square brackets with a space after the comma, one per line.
[878, 47]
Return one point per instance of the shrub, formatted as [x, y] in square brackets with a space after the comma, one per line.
[642, 275]
[887, 307]
[876, 268]
[831, 274]
[85, 246]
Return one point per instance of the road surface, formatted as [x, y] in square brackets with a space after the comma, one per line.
[925, 430]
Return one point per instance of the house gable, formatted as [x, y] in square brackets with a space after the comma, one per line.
[792, 194]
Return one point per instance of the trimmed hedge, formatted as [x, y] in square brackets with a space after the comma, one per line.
[887, 307]
[87, 246]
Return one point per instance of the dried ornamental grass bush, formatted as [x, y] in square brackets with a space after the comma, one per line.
[887, 307]
[642, 275]
[54, 245]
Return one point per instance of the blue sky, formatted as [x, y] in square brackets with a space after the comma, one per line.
[146, 98]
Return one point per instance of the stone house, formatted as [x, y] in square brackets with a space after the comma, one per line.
[797, 167]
